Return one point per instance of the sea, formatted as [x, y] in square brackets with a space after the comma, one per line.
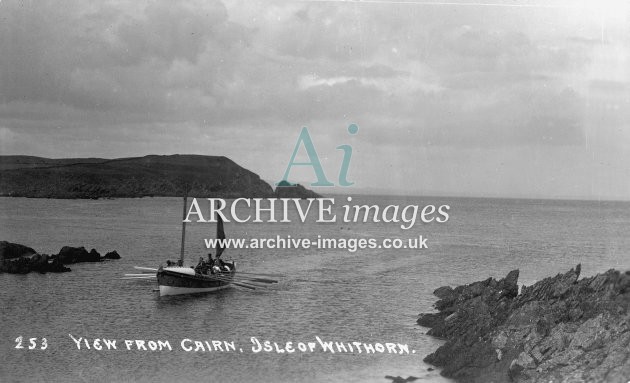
[370, 296]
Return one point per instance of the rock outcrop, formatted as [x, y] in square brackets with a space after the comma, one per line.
[10, 250]
[69, 255]
[112, 255]
[288, 190]
[560, 329]
[20, 259]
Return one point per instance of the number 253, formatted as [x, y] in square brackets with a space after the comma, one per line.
[32, 343]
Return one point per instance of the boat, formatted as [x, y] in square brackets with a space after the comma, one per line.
[214, 274]
[177, 280]
[207, 276]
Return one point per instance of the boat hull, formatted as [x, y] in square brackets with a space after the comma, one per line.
[173, 290]
[178, 281]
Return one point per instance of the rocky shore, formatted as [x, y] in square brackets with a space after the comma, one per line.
[560, 329]
[20, 259]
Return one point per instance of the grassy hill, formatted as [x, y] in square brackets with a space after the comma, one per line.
[153, 175]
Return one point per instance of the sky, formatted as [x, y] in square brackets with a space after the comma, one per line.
[459, 98]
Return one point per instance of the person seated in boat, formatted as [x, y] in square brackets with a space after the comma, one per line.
[216, 265]
[211, 264]
[221, 265]
[202, 266]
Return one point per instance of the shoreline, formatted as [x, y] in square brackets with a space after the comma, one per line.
[559, 329]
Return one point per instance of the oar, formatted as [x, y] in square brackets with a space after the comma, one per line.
[254, 283]
[262, 275]
[225, 278]
[257, 284]
[229, 280]
[260, 280]
[139, 278]
[243, 285]
[247, 279]
[247, 286]
[139, 275]
[145, 268]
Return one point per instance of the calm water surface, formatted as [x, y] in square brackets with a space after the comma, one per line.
[368, 296]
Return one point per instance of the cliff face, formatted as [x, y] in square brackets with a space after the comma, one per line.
[561, 329]
[210, 176]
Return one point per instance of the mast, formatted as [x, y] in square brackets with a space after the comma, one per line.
[181, 255]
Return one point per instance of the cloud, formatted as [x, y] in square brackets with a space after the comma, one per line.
[125, 58]
[6, 134]
[240, 78]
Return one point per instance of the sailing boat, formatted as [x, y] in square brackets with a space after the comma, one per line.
[176, 279]
[211, 275]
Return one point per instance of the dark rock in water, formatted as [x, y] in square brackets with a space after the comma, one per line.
[39, 262]
[400, 379]
[10, 250]
[560, 329]
[112, 255]
[69, 254]
[31, 262]
[288, 190]
[16, 266]
[16, 258]
[56, 266]
[94, 256]
[20, 259]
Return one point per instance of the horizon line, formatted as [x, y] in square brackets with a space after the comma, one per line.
[365, 191]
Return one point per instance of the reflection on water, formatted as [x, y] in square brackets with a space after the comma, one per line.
[368, 296]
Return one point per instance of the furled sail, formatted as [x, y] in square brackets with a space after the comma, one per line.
[220, 236]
